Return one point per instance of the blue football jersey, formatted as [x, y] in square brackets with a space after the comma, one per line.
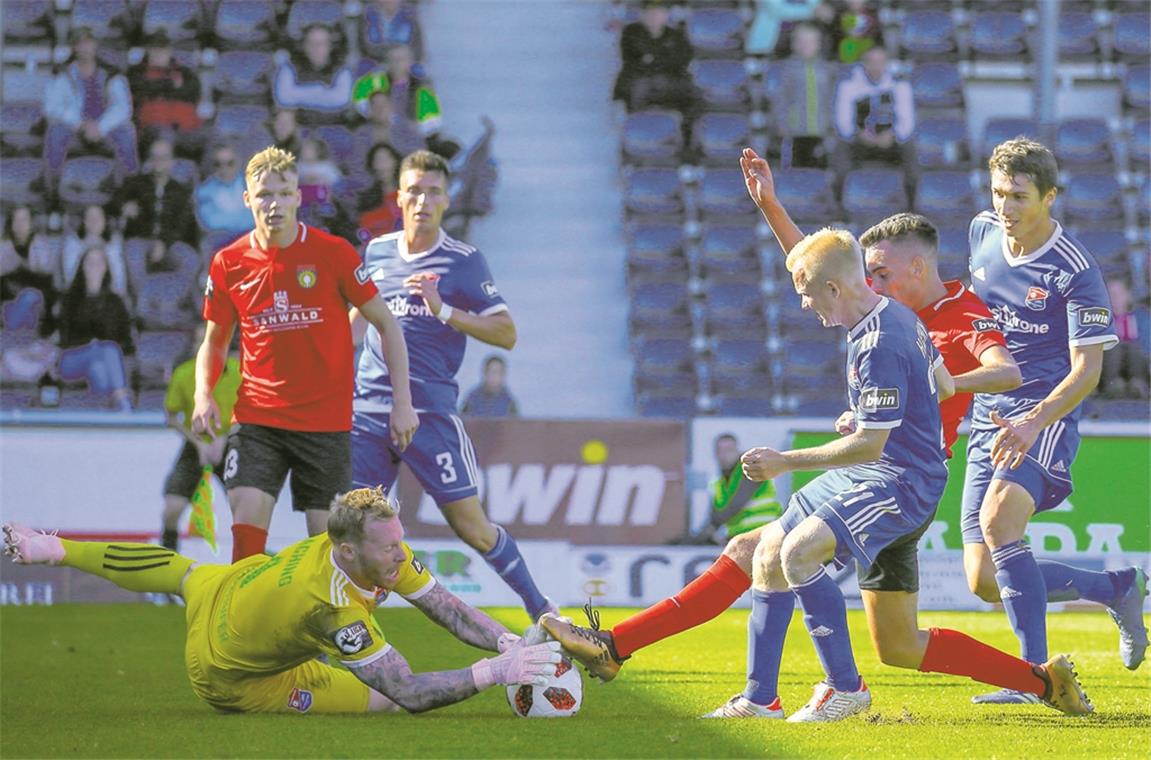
[891, 385]
[1045, 302]
[435, 350]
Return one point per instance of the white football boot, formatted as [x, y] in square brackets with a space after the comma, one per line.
[740, 706]
[828, 704]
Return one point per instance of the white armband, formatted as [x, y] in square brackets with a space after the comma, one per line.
[445, 313]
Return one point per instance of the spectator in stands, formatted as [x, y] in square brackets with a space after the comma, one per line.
[387, 125]
[320, 178]
[655, 60]
[29, 268]
[313, 82]
[774, 22]
[220, 205]
[875, 116]
[166, 93]
[411, 93]
[157, 207]
[94, 231]
[378, 210]
[491, 398]
[96, 331]
[88, 101]
[285, 130]
[1126, 367]
[856, 29]
[387, 23]
[804, 100]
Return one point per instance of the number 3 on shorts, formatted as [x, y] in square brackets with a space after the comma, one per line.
[231, 463]
[444, 460]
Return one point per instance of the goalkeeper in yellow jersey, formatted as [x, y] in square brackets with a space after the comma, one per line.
[255, 628]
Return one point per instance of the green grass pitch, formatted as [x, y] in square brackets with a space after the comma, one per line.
[108, 681]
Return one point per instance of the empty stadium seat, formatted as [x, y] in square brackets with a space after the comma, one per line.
[729, 250]
[942, 143]
[1132, 39]
[716, 32]
[669, 406]
[28, 22]
[181, 19]
[1108, 245]
[1092, 198]
[945, 197]
[807, 194]
[682, 383]
[753, 405]
[1083, 142]
[652, 137]
[872, 194]
[21, 180]
[667, 355]
[651, 191]
[998, 35]
[739, 366]
[305, 12]
[25, 85]
[659, 306]
[21, 128]
[109, 20]
[1078, 36]
[720, 137]
[655, 250]
[158, 352]
[247, 122]
[954, 252]
[1140, 145]
[1137, 87]
[731, 309]
[723, 193]
[87, 180]
[244, 76]
[246, 25]
[722, 84]
[163, 301]
[999, 129]
[1143, 206]
[937, 85]
[928, 35]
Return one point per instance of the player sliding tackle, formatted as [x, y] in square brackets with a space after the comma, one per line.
[255, 628]
[866, 509]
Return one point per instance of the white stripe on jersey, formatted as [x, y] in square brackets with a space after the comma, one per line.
[466, 449]
[1074, 256]
[869, 514]
[455, 245]
[336, 593]
[1049, 439]
[989, 216]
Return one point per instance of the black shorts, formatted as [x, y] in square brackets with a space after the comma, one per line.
[896, 567]
[185, 474]
[261, 457]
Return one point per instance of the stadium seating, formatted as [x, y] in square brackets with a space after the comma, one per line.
[1092, 198]
[181, 19]
[21, 180]
[1109, 246]
[109, 20]
[758, 404]
[157, 352]
[25, 85]
[928, 35]
[999, 35]
[937, 85]
[163, 302]
[999, 129]
[653, 192]
[945, 197]
[954, 252]
[245, 25]
[660, 309]
[870, 194]
[722, 193]
[942, 142]
[28, 22]
[1078, 37]
[669, 356]
[1132, 40]
[341, 144]
[305, 12]
[21, 128]
[1083, 142]
[722, 84]
[1137, 87]
[733, 309]
[728, 251]
[243, 122]
[720, 137]
[739, 366]
[244, 77]
[1140, 145]
[672, 406]
[87, 180]
[655, 251]
[716, 32]
[653, 138]
[807, 194]
[1144, 203]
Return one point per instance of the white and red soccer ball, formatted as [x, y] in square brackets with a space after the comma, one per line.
[561, 697]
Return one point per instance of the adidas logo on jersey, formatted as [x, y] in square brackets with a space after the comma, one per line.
[980, 274]
[821, 631]
[1059, 466]
[1009, 593]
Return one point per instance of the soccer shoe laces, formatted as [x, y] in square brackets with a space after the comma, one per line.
[592, 615]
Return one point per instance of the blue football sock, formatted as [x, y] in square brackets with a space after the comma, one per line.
[1066, 583]
[1024, 596]
[766, 632]
[825, 614]
[505, 559]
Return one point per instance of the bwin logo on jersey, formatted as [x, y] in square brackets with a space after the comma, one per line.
[1094, 316]
[875, 399]
[400, 306]
[984, 325]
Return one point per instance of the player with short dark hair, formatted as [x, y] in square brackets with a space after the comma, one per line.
[256, 627]
[1048, 295]
[287, 286]
[441, 291]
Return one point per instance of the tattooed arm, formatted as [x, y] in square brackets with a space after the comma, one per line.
[466, 623]
[416, 692]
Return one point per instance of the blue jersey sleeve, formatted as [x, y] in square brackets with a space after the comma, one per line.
[1089, 317]
[882, 394]
[477, 289]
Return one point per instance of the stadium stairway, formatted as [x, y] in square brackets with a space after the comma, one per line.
[543, 71]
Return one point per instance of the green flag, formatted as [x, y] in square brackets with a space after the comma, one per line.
[203, 517]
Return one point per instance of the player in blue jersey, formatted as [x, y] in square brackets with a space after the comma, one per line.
[441, 291]
[1048, 295]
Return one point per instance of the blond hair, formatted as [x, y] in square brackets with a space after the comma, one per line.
[270, 159]
[827, 254]
[351, 510]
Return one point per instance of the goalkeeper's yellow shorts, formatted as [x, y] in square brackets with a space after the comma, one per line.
[311, 687]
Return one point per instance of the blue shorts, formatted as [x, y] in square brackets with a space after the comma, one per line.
[1045, 472]
[865, 513]
[440, 455]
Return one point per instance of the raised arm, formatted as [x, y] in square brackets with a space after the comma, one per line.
[761, 187]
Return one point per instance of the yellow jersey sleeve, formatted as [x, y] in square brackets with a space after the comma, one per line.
[354, 637]
[414, 580]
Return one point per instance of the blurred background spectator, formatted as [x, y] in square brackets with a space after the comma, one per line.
[387, 23]
[285, 130]
[93, 230]
[387, 125]
[856, 29]
[805, 98]
[28, 261]
[771, 27]
[314, 81]
[1126, 366]
[158, 208]
[220, 205]
[378, 213]
[491, 398]
[655, 57]
[166, 94]
[875, 115]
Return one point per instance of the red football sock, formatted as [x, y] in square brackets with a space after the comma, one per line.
[958, 654]
[699, 601]
[247, 540]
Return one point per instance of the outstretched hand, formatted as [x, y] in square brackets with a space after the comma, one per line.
[1015, 439]
[758, 178]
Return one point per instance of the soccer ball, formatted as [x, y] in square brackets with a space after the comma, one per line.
[560, 698]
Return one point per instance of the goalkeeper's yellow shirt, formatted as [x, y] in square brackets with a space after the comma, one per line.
[272, 613]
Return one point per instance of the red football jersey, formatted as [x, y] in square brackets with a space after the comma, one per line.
[962, 328]
[291, 305]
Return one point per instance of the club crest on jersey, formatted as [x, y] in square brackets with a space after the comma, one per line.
[1094, 316]
[984, 325]
[362, 274]
[876, 399]
[280, 300]
[300, 699]
[1036, 299]
[306, 275]
[352, 638]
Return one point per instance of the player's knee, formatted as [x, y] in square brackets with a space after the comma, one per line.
[742, 550]
[897, 653]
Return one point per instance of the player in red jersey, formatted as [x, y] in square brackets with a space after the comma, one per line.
[288, 287]
[889, 587]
